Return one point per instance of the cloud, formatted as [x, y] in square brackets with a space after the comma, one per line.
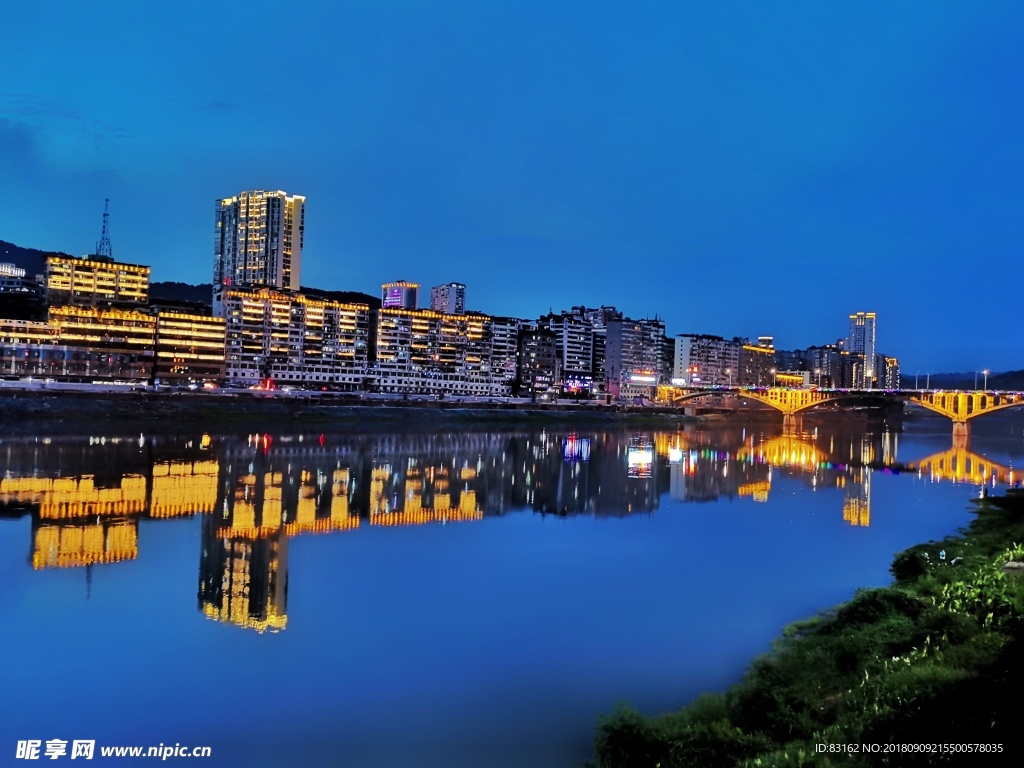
[19, 150]
[52, 119]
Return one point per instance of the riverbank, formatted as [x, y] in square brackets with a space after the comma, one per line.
[22, 411]
[935, 660]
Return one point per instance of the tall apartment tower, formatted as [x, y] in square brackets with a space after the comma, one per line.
[449, 298]
[861, 342]
[257, 242]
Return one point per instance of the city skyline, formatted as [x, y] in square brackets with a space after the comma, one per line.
[632, 160]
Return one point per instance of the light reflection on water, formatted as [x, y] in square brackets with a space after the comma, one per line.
[428, 598]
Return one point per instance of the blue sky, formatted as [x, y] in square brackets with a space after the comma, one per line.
[742, 169]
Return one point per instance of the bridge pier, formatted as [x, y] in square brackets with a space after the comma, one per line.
[961, 434]
[792, 422]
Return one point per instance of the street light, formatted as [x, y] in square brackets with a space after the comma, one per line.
[817, 371]
[728, 372]
[986, 379]
[774, 379]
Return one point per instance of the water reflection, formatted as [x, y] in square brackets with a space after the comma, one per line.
[86, 496]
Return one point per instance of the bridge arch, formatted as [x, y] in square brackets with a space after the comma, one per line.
[959, 407]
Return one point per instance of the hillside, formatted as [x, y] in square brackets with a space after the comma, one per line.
[1006, 380]
[32, 260]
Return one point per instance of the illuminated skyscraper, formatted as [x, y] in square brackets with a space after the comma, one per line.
[258, 242]
[449, 298]
[861, 342]
[399, 295]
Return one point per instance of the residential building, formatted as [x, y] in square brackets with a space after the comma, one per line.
[705, 360]
[888, 371]
[754, 366]
[505, 349]
[296, 339]
[399, 295]
[419, 351]
[861, 342]
[634, 357]
[190, 346]
[575, 340]
[449, 298]
[257, 242]
[21, 297]
[103, 343]
[95, 281]
[539, 361]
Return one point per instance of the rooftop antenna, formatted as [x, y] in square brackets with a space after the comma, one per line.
[103, 246]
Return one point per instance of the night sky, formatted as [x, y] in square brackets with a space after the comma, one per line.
[740, 169]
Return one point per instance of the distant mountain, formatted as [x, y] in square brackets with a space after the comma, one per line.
[1006, 380]
[32, 260]
[1012, 381]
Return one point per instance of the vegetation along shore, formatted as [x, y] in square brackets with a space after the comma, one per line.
[926, 671]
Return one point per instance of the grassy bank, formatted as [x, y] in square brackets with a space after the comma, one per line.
[935, 659]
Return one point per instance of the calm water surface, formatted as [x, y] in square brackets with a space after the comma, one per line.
[455, 599]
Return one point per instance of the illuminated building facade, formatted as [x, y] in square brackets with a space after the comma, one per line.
[21, 297]
[427, 352]
[861, 342]
[29, 348]
[103, 343]
[293, 338]
[704, 360]
[399, 295]
[754, 366]
[792, 379]
[257, 242]
[94, 281]
[539, 361]
[505, 349]
[189, 347]
[574, 336]
[449, 298]
[634, 357]
[888, 371]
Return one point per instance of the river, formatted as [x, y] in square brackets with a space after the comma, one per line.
[448, 598]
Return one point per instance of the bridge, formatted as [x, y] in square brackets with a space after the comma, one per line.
[959, 407]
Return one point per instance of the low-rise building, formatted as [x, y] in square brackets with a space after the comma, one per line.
[95, 281]
[189, 346]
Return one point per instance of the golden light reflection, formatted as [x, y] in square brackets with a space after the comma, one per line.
[784, 451]
[960, 465]
[758, 491]
[74, 545]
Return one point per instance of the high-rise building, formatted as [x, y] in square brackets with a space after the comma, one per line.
[257, 242]
[634, 358]
[399, 295]
[702, 359]
[575, 335]
[862, 342]
[449, 298]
